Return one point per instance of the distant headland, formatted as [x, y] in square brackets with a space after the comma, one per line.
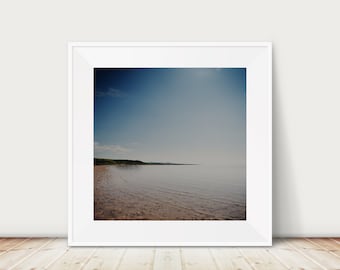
[105, 161]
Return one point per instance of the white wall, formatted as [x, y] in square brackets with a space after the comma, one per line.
[33, 84]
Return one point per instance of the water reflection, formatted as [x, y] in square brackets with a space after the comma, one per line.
[170, 192]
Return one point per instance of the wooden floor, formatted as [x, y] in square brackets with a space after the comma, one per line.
[48, 253]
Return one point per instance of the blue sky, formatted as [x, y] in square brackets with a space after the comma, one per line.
[189, 115]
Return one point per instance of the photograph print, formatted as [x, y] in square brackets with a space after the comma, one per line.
[170, 144]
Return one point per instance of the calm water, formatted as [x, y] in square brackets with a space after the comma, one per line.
[170, 192]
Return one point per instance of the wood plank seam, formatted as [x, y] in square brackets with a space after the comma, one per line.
[121, 259]
[15, 246]
[31, 254]
[327, 250]
[265, 251]
[305, 255]
[83, 264]
[167, 258]
[153, 259]
[246, 259]
[214, 260]
[56, 258]
[278, 258]
[182, 260]
[336, 241]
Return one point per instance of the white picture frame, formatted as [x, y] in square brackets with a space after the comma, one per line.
[256, 230]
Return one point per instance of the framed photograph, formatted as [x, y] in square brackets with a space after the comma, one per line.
[170, 144]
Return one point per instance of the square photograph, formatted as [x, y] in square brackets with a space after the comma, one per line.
[169, 144]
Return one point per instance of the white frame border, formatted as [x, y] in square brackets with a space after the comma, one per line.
[264, 233]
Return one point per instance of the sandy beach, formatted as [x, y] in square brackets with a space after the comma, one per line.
[119, 194]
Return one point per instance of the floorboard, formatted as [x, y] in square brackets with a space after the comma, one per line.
[21, 252]
[53, 253]
[321, 257]
[291, 258]
[43, 257]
